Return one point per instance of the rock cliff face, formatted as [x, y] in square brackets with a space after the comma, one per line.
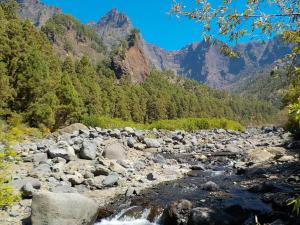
[36, 11]
[133, 63]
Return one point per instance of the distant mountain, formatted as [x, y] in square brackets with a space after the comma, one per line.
[205, 63]
[198, 61]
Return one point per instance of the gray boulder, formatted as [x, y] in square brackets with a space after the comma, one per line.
[152, 143]
[62, 150]
[130, 142]
[18, 184]
[88, 150]
[28, 190]
[62, 208]
[111, 179]
[115, 151]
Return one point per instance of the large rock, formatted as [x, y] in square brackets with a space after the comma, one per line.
[62, 208]
[115, 151]
[62, 150]
[259, 155]
[72, 128]
[88, 150]
[152, 143]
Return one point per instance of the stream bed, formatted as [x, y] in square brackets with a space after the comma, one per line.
[219, 193]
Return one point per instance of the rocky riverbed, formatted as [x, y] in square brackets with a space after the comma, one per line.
[147, 177]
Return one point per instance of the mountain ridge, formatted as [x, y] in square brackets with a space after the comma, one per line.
[197, 61]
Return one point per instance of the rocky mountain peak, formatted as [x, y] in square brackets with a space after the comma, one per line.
[115, 19]
[36, 11]
[113, 27]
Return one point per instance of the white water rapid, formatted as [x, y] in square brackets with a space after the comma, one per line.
[120, 219]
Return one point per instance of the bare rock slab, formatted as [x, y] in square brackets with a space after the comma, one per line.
[62, 208]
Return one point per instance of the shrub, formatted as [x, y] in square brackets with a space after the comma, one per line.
[187, 124]
[7, 194]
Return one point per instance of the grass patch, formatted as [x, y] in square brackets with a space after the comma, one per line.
[187, 124]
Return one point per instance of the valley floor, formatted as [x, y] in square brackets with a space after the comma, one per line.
[241, 174]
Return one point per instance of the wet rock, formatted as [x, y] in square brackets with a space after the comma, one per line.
[265, 187]
[115, 151]
[210, 186]
[62, 150]
[62, 208]
[255, 172]
[177, 213]
[197, 167]
[111, 179]
[207, 216]
[152, 143]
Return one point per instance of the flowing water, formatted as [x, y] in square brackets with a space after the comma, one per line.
[123, 219]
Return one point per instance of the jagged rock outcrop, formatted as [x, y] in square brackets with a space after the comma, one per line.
[132, 62]
[113, 27]
[36, 11]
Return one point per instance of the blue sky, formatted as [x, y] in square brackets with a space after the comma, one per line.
[150, 16]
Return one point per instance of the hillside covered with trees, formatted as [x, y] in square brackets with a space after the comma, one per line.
[50, 93]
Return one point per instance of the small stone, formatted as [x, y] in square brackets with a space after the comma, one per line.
[76, 179]
[28, 190]
[101, 170]
[111, 179]
[151, 177]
